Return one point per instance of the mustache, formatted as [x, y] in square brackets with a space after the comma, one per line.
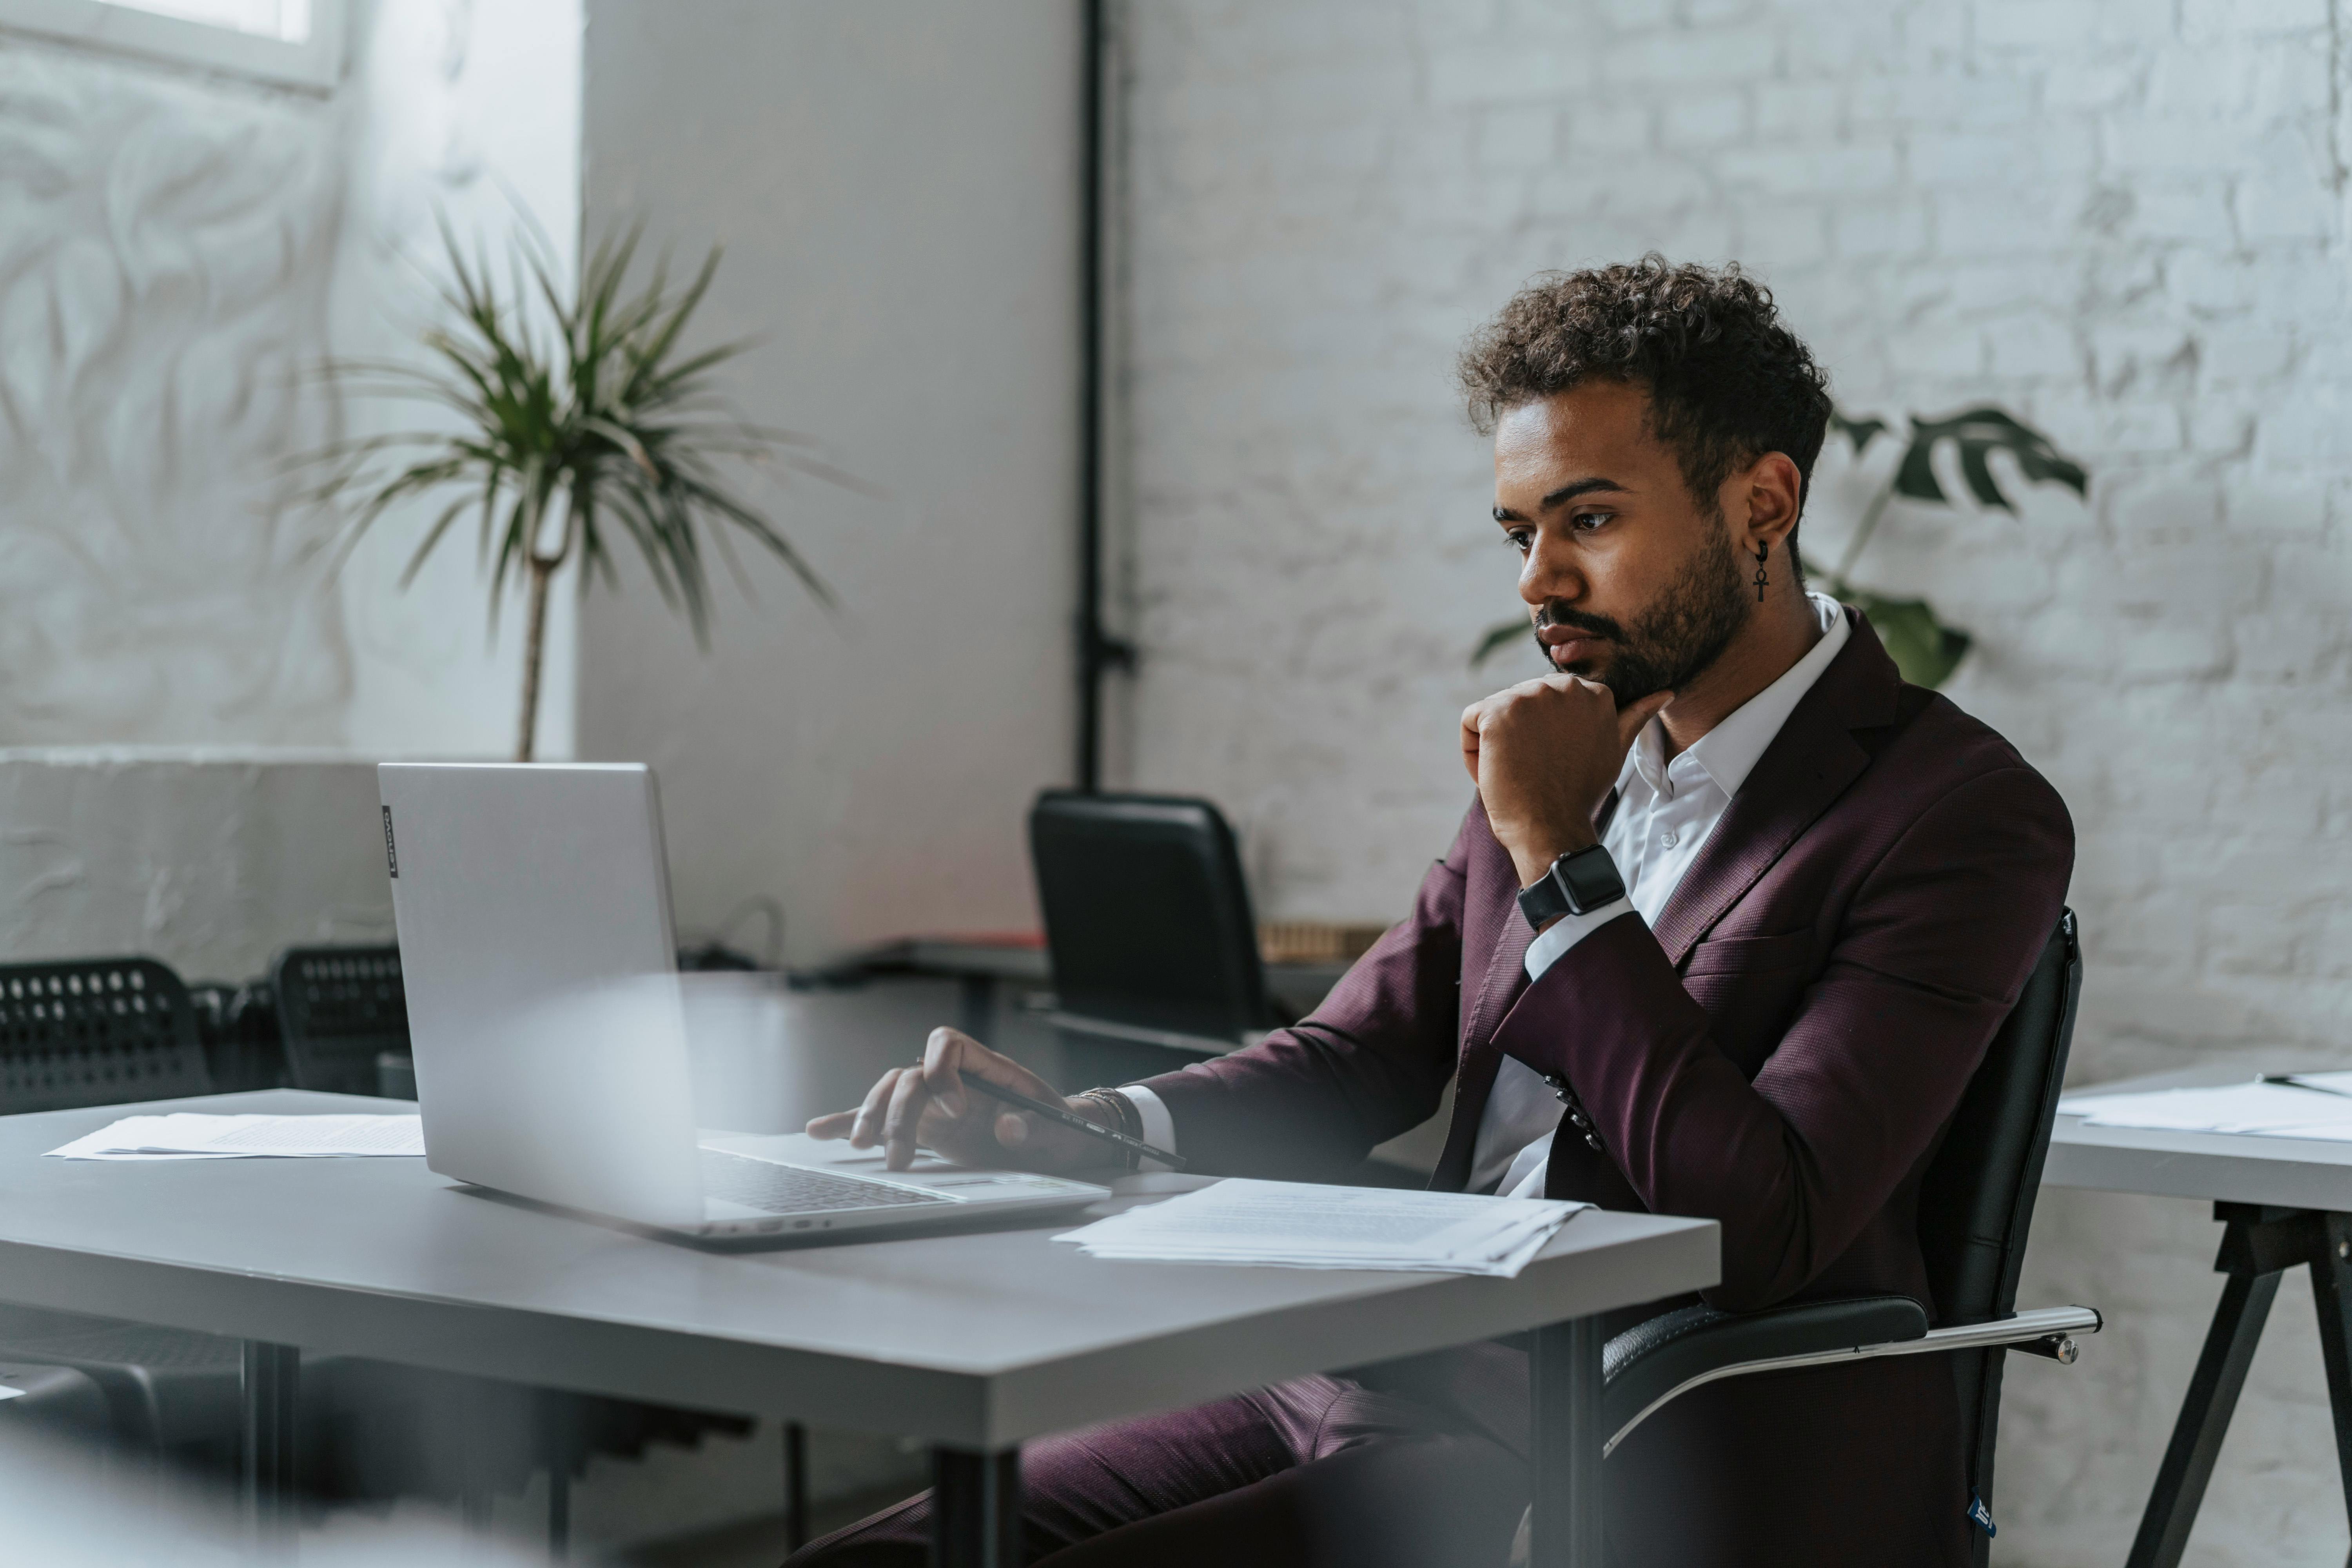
[1580, 620]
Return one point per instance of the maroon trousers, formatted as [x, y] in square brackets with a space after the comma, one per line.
[1323, 1470]
[1423, 1462]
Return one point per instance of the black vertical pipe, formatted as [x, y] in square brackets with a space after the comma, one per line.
[1092, 645]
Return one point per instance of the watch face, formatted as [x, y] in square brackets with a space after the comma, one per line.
[1592, 878]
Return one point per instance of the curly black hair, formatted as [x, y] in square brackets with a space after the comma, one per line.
[1727, 380]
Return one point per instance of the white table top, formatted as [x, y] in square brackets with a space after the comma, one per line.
[980, 1338]
[2224, 1167]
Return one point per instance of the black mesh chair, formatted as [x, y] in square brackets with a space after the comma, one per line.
[1148, 918]
[339, 1010]
[96, 1032]
[104, 1031]
[1976, 1205]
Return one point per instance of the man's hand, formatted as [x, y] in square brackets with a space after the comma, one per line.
[928, 1104]
[1545, 754]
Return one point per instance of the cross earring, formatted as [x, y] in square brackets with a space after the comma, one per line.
[1761, 551]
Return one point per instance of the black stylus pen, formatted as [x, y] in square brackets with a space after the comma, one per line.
[1072, 1119]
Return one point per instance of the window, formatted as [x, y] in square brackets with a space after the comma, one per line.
[285, 20]
[295, 41]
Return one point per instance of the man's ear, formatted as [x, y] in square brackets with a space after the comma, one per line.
[1774, 491]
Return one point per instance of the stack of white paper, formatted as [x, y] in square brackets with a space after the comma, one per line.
[188, 1135]
[2303, 1105]
[1295, 1225]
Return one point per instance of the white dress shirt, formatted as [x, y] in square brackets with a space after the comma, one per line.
[1666, 810]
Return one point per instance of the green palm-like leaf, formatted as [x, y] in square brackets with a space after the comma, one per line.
[1978, 433]
[1497, 639]
[596, 407]
[1924, 648]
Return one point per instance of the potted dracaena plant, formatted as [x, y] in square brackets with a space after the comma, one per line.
[1923, 647]
[590, 425]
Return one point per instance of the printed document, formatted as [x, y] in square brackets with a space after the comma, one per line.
[189, 1135]
[2316, 1105]
[1291, 1225]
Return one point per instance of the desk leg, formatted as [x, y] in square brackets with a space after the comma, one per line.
[975, 1509]
[1565, 1458]
[796, 1515]
[2204, 1419]
[272, 1376]
[2331, 1291]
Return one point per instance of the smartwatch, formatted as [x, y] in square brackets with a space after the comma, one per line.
[1577, 883]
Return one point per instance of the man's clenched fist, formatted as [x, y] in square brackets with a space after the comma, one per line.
[1545, 754]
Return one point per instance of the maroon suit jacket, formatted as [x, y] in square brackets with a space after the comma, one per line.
[1780, 1054]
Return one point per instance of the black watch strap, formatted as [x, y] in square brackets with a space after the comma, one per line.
[1577, 883]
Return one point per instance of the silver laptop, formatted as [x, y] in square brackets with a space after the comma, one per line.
[549, 1032]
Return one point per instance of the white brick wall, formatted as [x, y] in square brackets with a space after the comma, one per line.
[2123, 219]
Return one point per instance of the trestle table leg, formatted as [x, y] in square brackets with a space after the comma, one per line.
[2204, 1419]
[1568, 1527]
[2331, 1292]
[975, 1509]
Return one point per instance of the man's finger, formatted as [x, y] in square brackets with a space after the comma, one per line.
[943, 1054]
[835, 1124]
[901, 1125]
[1470, 721]
[866, 1130]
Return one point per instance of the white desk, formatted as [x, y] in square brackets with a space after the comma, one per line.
[2284, 1204]
[973, 1343]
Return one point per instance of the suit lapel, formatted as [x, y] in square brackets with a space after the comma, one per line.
[1507, 976]
[1498, 991]
[1808, 765]
[1506, 970]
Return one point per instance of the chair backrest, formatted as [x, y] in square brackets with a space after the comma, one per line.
[1146, 914]
[95, 1031]
[338, 1008]
[1976, 1199]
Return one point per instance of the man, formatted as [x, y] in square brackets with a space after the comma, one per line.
[1833, 886]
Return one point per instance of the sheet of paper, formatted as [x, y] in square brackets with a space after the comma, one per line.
[190, 1135]
[2255, 1108]
[1299, 1226]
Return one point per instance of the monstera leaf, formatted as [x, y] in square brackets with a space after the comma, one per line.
[1924, 648]
[1978, 433]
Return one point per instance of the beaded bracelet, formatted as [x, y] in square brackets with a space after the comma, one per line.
[1124, 1117]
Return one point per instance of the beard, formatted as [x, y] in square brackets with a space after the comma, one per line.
[1675, 640]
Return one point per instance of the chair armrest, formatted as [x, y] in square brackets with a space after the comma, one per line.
[1651, 1365]
[1650, 1362]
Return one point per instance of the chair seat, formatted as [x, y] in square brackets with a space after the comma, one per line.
[163, 1387]
[54, 1397]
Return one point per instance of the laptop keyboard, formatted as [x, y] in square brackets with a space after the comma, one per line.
[792, 1189]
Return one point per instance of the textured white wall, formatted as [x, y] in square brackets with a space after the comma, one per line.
[895, 184]
[211, 859]
[177, 250]
[2124, 218]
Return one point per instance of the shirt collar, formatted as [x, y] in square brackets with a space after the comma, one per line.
[1729, 752]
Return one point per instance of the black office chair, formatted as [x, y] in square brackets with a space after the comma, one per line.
[104, 1031]
[341, 1012]
[1976, 1205]
[1148, 920]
